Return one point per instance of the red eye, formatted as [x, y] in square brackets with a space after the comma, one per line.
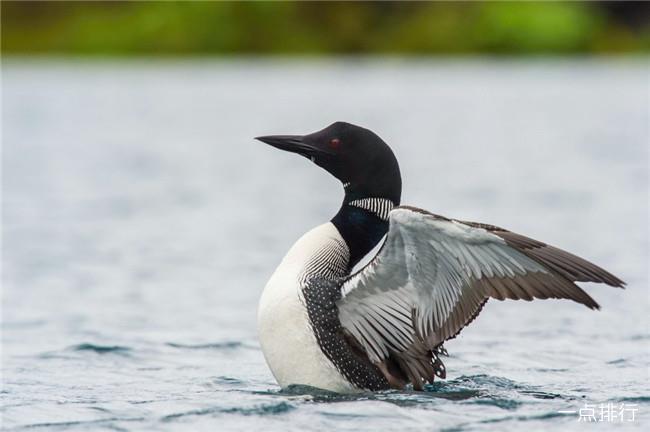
[335, 143]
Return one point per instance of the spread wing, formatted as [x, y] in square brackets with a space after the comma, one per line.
[433, 275]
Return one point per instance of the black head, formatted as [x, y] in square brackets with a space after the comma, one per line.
[361, 160]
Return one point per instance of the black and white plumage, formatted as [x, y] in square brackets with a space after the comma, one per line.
[433, 275]
[384, 326]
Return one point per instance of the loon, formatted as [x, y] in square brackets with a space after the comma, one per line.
[383, 326]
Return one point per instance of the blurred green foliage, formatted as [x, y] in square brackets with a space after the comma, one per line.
[418, 28]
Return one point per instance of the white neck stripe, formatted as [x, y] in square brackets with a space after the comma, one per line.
[379, 206]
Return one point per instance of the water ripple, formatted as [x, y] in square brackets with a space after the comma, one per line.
[100, 349]
[478, 389]
[50, 425]
[260, 410]
[230, 345]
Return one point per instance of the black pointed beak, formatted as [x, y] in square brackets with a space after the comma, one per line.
[291, 143]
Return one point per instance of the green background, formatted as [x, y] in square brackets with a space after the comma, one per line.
[314, 28]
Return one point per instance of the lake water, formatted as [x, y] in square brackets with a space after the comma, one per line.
[141, 222]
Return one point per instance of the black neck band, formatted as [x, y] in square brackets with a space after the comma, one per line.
[362, 222]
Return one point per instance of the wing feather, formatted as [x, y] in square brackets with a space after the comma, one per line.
[433, 276]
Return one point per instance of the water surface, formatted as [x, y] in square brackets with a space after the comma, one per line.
[141, 222]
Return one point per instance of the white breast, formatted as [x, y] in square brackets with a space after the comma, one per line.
[287, 340]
